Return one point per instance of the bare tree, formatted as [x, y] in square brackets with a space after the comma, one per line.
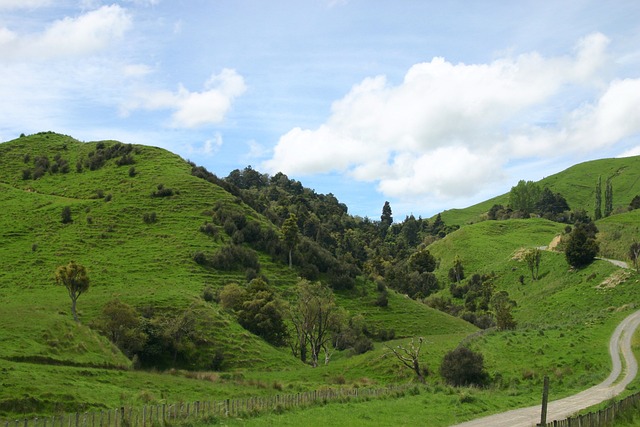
[315, 317]
[410, 357]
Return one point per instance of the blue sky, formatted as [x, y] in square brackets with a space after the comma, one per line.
[430, 105]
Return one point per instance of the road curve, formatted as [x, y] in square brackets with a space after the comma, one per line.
[620, 344]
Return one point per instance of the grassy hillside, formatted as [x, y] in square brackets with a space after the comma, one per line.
[150, 266]
[577, 184]
[50, 364]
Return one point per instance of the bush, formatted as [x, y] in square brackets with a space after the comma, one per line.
[162, 191]
[464, 367]
[132, 171]
[208, 294]
[382, 300]
[150, 218]
[232, 257]
[66, 215]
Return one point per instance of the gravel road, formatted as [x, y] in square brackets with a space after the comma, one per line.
[619, 345]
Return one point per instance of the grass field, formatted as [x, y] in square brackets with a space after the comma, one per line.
[50, 364]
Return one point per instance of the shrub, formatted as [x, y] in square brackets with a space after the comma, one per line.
[162, 191]
[132, 171]
[26, 174]
[66, 215]
[464, 367]
[235, 256]
[382, 300]
[208, 294]
[150, 218]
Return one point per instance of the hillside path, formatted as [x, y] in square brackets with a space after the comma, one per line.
[620, 344]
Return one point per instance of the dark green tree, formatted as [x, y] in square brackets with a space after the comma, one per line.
[74, 278]
[464, 367]
[598, 207]
[608, 198]
[502, 306]
[581, 248]
[122, 325]
[66, 215]
[262, 313]
[422, 261]
[290, 235]
[524, 197]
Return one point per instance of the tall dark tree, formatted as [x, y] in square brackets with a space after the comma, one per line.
[608, 198]
[290, 235]
[262, 313]
[386, 219]
[74, 278]
[598, 207]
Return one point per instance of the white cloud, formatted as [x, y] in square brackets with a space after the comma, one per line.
[194, 109]
[447, 130]
[86, 34]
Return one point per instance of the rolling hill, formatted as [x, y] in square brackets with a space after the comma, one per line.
[137, 218]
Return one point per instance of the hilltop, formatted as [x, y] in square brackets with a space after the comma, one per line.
[151, 228]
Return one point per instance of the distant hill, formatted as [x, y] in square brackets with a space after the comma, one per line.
[577, 184]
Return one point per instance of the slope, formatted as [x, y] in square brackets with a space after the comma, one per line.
[577, 184]
[136, 215]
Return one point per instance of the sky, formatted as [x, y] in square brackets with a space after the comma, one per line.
[430, 105]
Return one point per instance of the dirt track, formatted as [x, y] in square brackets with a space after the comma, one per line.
[620, 344]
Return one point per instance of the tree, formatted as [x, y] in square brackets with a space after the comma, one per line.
[456, 273]
[524, 196]
[290, 235]
[532, 258]
[314, 317]
[75, 279]
[66, 215]
[464, 367]
[634, 254]
[422, 261]
[502, 305]
[598, 208]
[122, 325]
[581, 247]
[608, 198]
[262, 313]
[410, 357]
[386, 219]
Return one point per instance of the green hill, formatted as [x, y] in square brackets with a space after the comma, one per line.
[145, 223]
[577, 184]
[147, 264]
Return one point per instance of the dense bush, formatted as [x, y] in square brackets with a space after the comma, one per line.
[464, 367]
[66, 215]
[233, 257]
[162, 191]
[149, 217]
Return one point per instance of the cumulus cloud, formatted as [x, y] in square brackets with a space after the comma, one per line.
[68, 37]
[449, 129]
[193, 109]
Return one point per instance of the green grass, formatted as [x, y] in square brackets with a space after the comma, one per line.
[49, 364]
